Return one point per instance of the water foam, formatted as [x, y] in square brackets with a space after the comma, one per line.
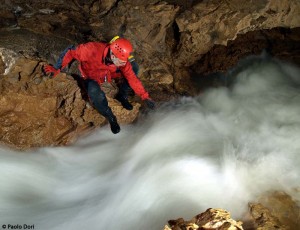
[220, 150]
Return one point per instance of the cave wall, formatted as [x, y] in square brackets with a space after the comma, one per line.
[173, 41]
[168, 36]
[210, 70]
[211, 23]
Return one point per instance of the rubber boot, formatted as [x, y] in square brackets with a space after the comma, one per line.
[114, 126]
[124, 101]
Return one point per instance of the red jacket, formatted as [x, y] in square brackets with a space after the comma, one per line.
[91, 56]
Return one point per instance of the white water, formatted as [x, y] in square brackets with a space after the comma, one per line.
[220, 150]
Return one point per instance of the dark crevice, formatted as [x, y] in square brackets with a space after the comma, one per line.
[281, 43]
[34, 69]
[62, 103]
[173, 37]
[184, 5]
[86, 34]
[176, 32]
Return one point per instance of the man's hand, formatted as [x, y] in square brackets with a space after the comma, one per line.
[150, 103]
[50, 70]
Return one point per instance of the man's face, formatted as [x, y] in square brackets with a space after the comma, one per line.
[117, 62]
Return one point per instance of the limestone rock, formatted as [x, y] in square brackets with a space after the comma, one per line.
[168, 36]
[264, 219]
[213, 22]
[210, 219]
[276, 210]
[146, 24]
[282, 43]
[38, 111]
[100, 8]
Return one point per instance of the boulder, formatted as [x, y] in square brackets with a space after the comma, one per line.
[37, 111]
[210, 219]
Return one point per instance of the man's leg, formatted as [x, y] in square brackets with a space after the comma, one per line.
[124, 88]
[99, 101]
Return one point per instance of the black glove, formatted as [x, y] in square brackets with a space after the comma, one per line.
[150, 104]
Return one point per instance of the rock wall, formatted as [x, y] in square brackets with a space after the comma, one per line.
[168, 36]
[173, 41]
[213, 22]
[38, 111]
[273, 210]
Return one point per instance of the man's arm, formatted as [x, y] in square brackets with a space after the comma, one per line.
[79, 53]
[134, 82]
[136, 85]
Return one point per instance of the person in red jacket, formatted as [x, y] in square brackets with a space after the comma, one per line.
[99, 63]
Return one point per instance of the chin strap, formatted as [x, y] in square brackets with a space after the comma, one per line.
[105, 52]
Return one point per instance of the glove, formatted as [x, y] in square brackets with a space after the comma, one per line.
[150, 104]
[49, 69]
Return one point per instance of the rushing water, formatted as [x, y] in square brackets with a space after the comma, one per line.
[220, 150]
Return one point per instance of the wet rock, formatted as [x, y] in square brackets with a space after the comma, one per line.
[210, 219]
[271, 211]
[276, 210]
[264, 219]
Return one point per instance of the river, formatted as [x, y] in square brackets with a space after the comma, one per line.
[220, 149]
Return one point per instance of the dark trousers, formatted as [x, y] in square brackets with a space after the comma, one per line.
[97, 97]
